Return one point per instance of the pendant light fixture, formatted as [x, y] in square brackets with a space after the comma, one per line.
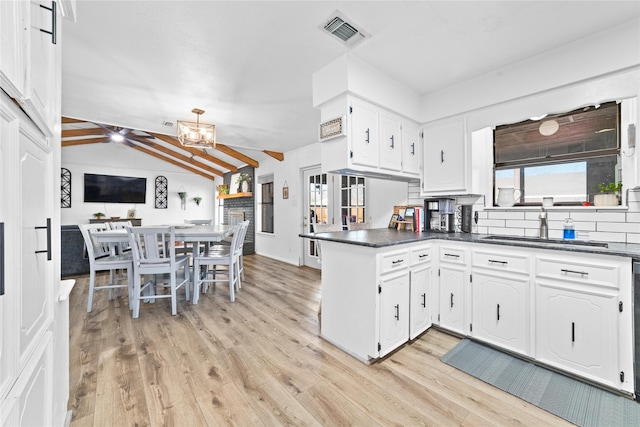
[200, 135]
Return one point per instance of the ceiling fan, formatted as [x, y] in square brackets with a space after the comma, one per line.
[124, 136]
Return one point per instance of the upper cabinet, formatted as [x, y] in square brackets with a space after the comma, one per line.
[364, 135]
[445, 158]
[31, 57]
[378, 142]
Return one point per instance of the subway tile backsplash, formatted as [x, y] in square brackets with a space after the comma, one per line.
[608, 224]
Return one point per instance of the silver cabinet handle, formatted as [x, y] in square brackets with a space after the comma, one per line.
[397, 307]
[581, 273]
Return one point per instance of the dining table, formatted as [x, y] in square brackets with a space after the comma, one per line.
[188, 233]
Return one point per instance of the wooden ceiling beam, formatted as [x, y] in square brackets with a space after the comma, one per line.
[177, 155]
[237, 155]
[275, 154]
[71, 120]
[66, 133]
[195, 151]
[72, 142]
[173, 162]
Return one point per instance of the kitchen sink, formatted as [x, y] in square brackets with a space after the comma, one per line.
[537, 240]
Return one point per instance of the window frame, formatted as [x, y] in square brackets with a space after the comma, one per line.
[558, 159]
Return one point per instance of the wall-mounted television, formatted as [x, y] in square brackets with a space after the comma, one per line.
[114, 189]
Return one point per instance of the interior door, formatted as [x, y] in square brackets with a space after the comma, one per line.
[319, 207]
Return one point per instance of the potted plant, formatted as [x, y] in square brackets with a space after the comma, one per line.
[609, 194]
[197, 199]
[99, 215]
[183, 199]
[244, 180]
[223, 189]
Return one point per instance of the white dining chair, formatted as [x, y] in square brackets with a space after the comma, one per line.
[103, 258]
[223, 262]
[154, 254]
[123, 246]
[358, 225]
[324, 228]
[198, 221]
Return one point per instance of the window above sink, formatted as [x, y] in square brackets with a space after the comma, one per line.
[563, 156]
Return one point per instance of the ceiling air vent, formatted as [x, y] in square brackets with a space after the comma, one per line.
[344, 29]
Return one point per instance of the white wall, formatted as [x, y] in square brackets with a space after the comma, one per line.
[284, 244]
[117, 159]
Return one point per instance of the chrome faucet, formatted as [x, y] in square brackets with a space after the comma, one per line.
[544, 228]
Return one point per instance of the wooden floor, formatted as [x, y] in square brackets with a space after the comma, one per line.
[259, 361]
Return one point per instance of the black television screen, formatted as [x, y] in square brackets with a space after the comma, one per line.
[114, 189]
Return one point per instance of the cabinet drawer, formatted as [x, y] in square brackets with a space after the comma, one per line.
[500, 261]
[394, 261]
[452, 255]
[574, 270]
[421, 255]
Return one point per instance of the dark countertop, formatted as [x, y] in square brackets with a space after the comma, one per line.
[384, 237]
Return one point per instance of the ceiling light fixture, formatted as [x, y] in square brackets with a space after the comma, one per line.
[117, 137]
[548, 127]
[200, 135]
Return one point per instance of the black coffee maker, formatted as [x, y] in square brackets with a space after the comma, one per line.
[439, 215]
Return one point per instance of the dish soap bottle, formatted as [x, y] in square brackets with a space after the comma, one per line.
[569, 232]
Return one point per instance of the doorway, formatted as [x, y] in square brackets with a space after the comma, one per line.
[318, 207]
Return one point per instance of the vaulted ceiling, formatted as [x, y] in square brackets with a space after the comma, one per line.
[138, 66]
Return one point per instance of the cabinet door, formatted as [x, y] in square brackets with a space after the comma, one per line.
[500, 311]
[420, 301]
[13, 46]
[390, 143]
[452, 298]
[9, 130]
[44, 59]
[445, 163]
[578, 331]
[364, 135]
[394, 312]
[36, 269]
[411, 149]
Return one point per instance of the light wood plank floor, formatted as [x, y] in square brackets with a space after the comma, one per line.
[259, 361]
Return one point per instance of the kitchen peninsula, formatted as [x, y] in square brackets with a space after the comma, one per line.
[565, 304]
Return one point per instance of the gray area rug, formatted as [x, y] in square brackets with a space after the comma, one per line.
[573, 400]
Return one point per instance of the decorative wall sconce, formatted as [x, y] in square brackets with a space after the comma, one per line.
[197, 199]
[285, 190]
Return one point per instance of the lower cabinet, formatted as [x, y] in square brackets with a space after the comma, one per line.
[500, 311]
[453, 280]
[394, 312]
[420, 300]
[583, 314]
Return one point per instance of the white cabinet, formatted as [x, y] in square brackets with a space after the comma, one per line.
[394, 311]
[445, 165]
[30, 65]
[377, 143]
[583, 317]
[453, 281]
[411, 149]
[421, 295]
[390, 143]
[14, 25]
[500, 294]
[27, 190]
[364, 135]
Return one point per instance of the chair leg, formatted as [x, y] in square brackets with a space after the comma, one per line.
[92, 284]
[197, 278]
[136, 296]
[187, 283]
[174, 302]
[232, 285]
[130, 287]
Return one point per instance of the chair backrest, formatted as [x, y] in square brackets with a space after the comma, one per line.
[198, 221]
[94, 248]
[153, 247]
[244, 226]
[121, 225]
[326, 228]
[237, 238]
[358, 225]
